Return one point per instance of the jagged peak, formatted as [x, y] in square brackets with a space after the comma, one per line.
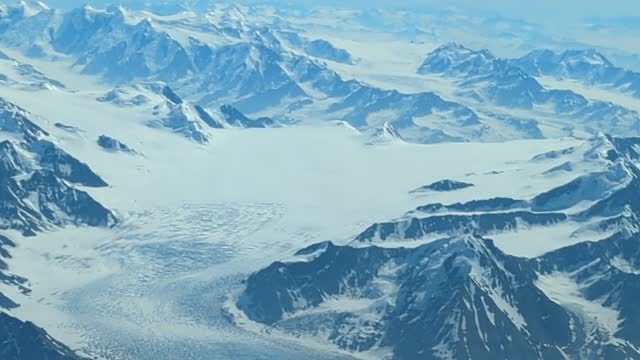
[457, 50]
[12, 159]
[537, 53]
[24, 8]
[123, 14]
[146, 25]
[86, 15]
[88, 10]
[265, 37]
[549, 58]
[117, 9]
[227, 15]
[234, 12]
[591, 56]
[387, 133]
[14, 119]
[453, 56]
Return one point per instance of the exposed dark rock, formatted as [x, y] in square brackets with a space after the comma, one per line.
[111, 144]
[443, 185]
[236, 118]
[24, 341]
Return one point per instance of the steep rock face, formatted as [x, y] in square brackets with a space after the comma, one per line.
[63, 165]
[12, 161]
[37, 180]
[385, 134]
[171, 95]
[35, 147]
[23, 340]
[5, 243]
[207, 118]
[237, 119]
[7, 303]
[15, 120]
[494, 310]
[295, 283]
[457, 297]
[182, 119]
[32, 204]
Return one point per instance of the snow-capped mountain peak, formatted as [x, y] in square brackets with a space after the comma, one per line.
[23, 9]
[587, 66]
[568, 63]
[387, 133]
[455, 58]
[588, 56]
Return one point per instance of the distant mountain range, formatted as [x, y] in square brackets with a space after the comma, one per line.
[586, 66]
[273, 71]
[510, 84]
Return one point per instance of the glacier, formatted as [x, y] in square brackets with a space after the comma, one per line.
[202, 181]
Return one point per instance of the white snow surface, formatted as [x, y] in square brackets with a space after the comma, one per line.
[563, 289]
[198, 218]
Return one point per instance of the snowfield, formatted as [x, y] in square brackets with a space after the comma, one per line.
[395, 162]
[197, 219]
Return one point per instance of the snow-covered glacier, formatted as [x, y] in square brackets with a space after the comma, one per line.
[198, 181]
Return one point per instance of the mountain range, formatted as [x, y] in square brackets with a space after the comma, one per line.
[274, 72]
[455, 294]
[144, 158]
